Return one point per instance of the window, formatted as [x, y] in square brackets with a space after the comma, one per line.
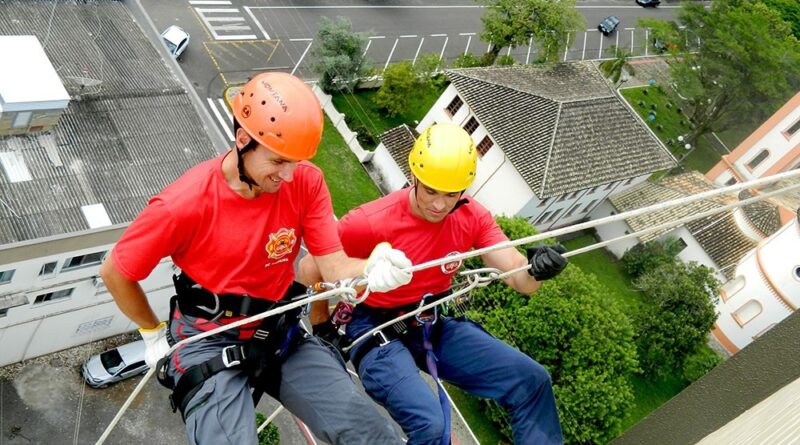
[608, 187]
[681, 243]
[544, 203]
[454, 106]
[84, 260]
[758, 159]
[730, 181]
[53, 296]
[747, 312]
[471, 125]
[589, 206]
[48, 269]
[732, 287]
[484, 146]
[6, 276]
[3, 312]
[542, 217]
[554, 216]
[571, 211]
[22, 119]
[794, 128]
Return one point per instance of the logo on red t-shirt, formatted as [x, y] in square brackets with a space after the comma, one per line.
[280, 243]
[453, 266]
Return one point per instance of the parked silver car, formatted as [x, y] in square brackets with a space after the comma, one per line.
[176, 40]
[115, 364]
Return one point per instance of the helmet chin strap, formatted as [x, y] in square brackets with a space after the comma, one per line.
[251, 145]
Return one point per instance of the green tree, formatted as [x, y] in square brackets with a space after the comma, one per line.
[644, 257]
[467, 60]
[560, 326]
[399, 86]
[514, 22]
[340, 55]
[677, 317]
[789, 11]
[738, 58]
[427, 69]
[614, 68]
[269, 435]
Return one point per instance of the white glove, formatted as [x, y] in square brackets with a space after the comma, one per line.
[384, 268]
[156, 344]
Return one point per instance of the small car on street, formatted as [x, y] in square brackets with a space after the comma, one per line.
[176, 40]
[647, 3]
[115, 365]
[608, 25]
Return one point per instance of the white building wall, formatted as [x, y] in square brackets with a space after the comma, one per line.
[393, 177]
[505, 193]
[88, 314]
[612, 230]
[777, 144]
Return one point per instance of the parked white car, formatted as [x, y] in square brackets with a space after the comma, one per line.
[176, 40]
[115, 365]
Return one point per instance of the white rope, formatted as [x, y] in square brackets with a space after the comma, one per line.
[608, 219]
[244, 321]
[270, 419]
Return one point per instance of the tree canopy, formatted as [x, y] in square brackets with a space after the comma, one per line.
[514, 22]
[339, 57]
[737, 58]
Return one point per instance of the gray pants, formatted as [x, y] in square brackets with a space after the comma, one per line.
[315, 386]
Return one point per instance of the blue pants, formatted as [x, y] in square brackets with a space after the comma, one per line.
[315, 386]
[469, 358]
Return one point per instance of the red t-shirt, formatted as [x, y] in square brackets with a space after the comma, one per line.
[390, 219]
[227, 243]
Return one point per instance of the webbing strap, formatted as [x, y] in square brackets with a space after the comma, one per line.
[430, 361]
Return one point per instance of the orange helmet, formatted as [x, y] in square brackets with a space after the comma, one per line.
[280, 112]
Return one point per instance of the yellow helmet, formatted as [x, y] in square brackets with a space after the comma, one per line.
[444, 158]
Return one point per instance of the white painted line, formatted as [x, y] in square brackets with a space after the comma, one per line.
[489, 48]
[377, 37]
[600, 51]
[646, 40]
[226, 19]
[408, 35]
[209, 2]
[390, 54]
[301, 57]
[566, 47]
[528, 56]
[629, 29]
[583, 54]
[437, 7]
[466, 33]
[631, 41]
[508, 53]
[238, 37]
[225, 125]
[258, 24]
[226, 110]
[438, 35]
[616, 45]
[224, 10]
[366, 48]
[300, 40]
[441, 54]
[466, 50]
[417, 53]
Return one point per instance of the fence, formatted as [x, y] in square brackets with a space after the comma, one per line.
[337, 118]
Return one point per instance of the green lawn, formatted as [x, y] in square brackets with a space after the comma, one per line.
[347, 180]
[360, 107]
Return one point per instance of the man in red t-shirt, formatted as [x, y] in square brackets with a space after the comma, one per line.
[233, 225]
[431, 220]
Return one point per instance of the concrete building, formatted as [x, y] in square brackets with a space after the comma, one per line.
[67, 194]
[539, 131]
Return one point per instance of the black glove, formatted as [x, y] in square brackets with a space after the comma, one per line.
[546, 261]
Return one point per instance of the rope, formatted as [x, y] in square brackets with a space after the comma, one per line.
[270, 419]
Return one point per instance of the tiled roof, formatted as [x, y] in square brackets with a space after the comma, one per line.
[561, 126]
[719, 235]
[398, 142]
[118, 144]
[762, 215]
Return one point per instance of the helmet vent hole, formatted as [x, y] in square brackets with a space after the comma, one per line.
[263, 102]
[251, 94]
[242, 93]
[261, 133]
[272, 119]
[278, 134]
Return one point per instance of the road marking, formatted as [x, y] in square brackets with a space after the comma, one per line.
[417, 53]
[616, 45]
[391, 53]
[209, 2]
[566, 47]
[600, 51]
[407, 36]
[366, 48]
[583, 54]
[632, 34]
[237, 23]
[224, 107]
[222, 122]
[301, 57]
[528, 56]
[439, 7]
[646, 40]
[300, 40]
[466, 33]
[260, 28]
[438, 35]
[377, 37]
[222, 10]
[466, 50]
[441, 54]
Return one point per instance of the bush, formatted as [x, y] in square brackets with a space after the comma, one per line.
[643, 257]
[270, 435]
[644, 91]
[699, 363]
[641, 103]
[467, 60]
[399, 85]
[505, 60]
[653, 106]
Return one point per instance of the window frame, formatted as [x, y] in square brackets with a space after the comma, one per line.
[469, 125]
[481, 150]
[10, 273]
[749, 163]
[788, 133]
[456, 107]
[50, 297]
[83, 263]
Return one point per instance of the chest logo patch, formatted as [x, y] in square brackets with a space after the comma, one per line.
[453, 266]
[280, 243]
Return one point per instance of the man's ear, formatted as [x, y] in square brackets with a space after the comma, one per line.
[242, 138]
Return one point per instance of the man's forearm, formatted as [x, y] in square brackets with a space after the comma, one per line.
[129, 296]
